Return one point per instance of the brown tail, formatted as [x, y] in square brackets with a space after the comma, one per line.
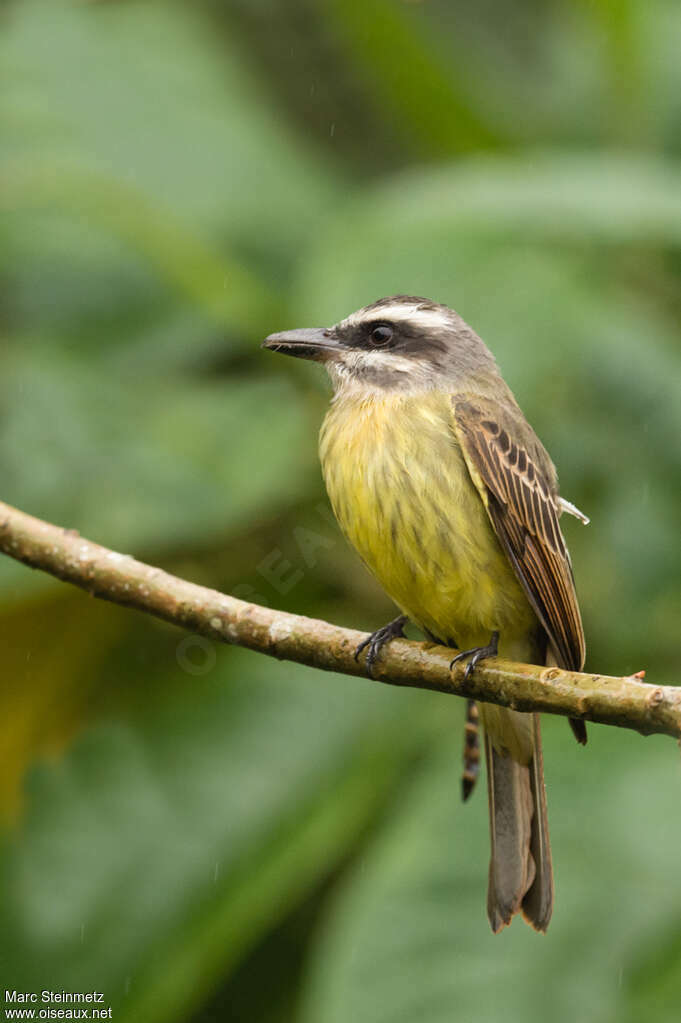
[520, 873]
[471, 750]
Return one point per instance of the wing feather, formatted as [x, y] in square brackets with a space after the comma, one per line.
[517, 482]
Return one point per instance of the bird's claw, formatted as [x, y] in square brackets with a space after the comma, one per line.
[377, 640]
[477, 654]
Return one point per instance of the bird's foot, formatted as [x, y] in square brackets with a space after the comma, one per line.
[377, 640]
[477, 654]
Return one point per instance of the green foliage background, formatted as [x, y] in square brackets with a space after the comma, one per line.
[203, 834]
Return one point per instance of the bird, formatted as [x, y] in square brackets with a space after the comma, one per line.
[452, 502]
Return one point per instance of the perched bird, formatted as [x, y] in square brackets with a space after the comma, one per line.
[444, 489]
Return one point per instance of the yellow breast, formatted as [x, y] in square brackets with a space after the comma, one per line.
[404, 498]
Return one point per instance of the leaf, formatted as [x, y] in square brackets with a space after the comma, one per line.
[218, 284]
[151, 464]
[151, 96]
[156, 851]
[135, 124]
[408, 939]
[403, 68]
[413, 230]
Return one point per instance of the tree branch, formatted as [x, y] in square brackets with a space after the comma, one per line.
[626, 702]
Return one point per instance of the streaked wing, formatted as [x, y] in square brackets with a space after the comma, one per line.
[517, 482]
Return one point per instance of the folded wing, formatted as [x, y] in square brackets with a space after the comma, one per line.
[517, 482]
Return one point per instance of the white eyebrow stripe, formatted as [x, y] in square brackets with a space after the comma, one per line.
[415, 315]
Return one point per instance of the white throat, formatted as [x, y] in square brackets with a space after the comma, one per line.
[370, 372]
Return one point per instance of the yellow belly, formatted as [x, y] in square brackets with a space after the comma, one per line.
[404, 498]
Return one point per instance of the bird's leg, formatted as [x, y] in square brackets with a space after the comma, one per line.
[477, 654]
[377, 640]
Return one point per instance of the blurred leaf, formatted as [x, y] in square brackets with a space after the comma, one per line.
[158, 849]
[151, 462]
[52, 651]
[218, 284]
[408, 938]
[146, 93]
[403, 69]
[131, 122]
[653, 990]
[412, 225]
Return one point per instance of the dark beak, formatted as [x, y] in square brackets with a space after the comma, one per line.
[307, 343]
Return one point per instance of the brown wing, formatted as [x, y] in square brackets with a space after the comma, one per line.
[517, 482]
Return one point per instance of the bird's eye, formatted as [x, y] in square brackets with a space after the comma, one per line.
[381, 334]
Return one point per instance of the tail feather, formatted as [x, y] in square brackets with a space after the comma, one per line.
[471, 750]
[538, 902]
[520, 874]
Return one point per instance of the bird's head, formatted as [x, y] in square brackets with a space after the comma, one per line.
[401, 343]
